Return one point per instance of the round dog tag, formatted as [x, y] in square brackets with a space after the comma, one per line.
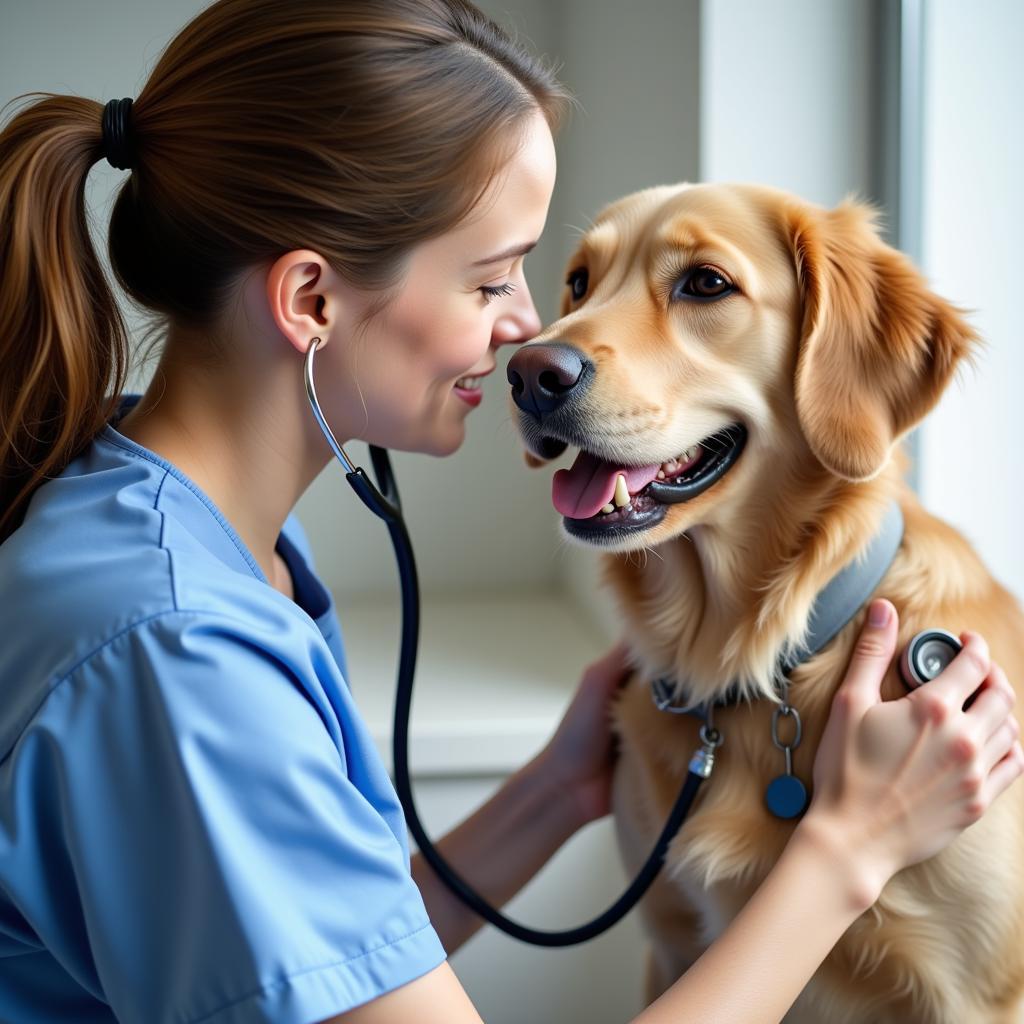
[786, 797]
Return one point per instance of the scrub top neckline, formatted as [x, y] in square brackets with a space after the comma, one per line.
[310, 594]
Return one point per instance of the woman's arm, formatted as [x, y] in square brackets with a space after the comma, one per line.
[513, 835]
[755, 970]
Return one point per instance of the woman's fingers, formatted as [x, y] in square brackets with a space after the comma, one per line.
[901, 779]
[871, 655]
[999, 744]
[610, 671]
[858, 692]
[582, 749]
[991, 709]
[964, 674]
[1007, 770]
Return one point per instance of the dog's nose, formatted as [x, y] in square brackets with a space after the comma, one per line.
[543, 375]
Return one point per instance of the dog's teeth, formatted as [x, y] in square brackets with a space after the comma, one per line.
[608, 508]
[621, 492]
[674, 466]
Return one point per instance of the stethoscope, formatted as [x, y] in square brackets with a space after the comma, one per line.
[925, 657]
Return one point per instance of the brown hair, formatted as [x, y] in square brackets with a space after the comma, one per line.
[357, 128]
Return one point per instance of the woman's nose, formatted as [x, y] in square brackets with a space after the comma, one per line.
[519, 324]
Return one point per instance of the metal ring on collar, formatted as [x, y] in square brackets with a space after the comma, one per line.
[786, 710]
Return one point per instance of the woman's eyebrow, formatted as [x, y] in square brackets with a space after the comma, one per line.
[515, 250]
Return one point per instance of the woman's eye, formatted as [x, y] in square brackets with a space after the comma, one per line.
[702, 283]
[494, 291]
[577, 282]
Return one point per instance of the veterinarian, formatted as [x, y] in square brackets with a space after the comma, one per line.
[194, 824]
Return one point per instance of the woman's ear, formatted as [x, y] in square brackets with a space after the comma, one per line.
[877, 346]
[299, 296]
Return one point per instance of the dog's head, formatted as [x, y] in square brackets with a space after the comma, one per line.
[716, 339]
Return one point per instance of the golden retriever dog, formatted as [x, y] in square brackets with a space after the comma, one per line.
[696, 317]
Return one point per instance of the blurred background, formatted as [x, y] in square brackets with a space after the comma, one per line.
[911, 104]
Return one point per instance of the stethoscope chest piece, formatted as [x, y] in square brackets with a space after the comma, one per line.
[927, 654]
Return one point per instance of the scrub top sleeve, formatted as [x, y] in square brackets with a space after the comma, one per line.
[229, 869]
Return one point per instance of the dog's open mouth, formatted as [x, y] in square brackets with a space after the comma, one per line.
[600, 497]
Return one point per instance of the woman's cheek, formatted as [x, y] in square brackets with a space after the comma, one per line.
[468, 339]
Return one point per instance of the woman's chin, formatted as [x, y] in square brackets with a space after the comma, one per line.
[448, 443]
[444, 440]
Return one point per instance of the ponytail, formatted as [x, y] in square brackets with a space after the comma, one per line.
[63, 342]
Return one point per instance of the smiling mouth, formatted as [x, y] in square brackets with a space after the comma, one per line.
[598, 498]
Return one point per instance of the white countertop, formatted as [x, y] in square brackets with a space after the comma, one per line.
[493, 676]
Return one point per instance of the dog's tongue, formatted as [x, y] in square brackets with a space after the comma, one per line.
[583, 490]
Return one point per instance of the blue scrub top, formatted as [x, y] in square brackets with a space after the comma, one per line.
[195, 826]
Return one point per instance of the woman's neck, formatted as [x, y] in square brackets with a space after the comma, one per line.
[242, 434]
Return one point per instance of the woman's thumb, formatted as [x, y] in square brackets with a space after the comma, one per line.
[873, 652]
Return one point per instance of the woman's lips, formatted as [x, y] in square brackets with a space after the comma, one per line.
[469, 390]
[470, 397]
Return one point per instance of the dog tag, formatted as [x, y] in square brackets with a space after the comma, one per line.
[786, 797]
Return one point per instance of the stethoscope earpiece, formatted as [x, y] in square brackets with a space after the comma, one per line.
[927, 654]
[387, 506]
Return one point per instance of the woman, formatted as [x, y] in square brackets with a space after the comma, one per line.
[194, 824]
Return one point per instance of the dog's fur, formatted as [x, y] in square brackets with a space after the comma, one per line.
[832, 348]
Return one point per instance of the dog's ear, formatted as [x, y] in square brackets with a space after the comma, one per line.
[877, 346]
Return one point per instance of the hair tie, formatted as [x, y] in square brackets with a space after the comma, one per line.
[117, 147]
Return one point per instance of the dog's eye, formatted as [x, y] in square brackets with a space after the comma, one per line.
[702, 283]
[577, 282]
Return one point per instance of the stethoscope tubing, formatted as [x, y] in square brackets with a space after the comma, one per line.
[403, 782]
[385, 502]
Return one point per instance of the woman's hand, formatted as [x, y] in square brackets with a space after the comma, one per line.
[896, 781]
[578, 760]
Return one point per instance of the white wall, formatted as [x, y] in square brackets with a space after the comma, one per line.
[972, 447]
[787, 95]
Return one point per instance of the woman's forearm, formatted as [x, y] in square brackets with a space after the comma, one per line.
[755, 970]
[497, 850]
